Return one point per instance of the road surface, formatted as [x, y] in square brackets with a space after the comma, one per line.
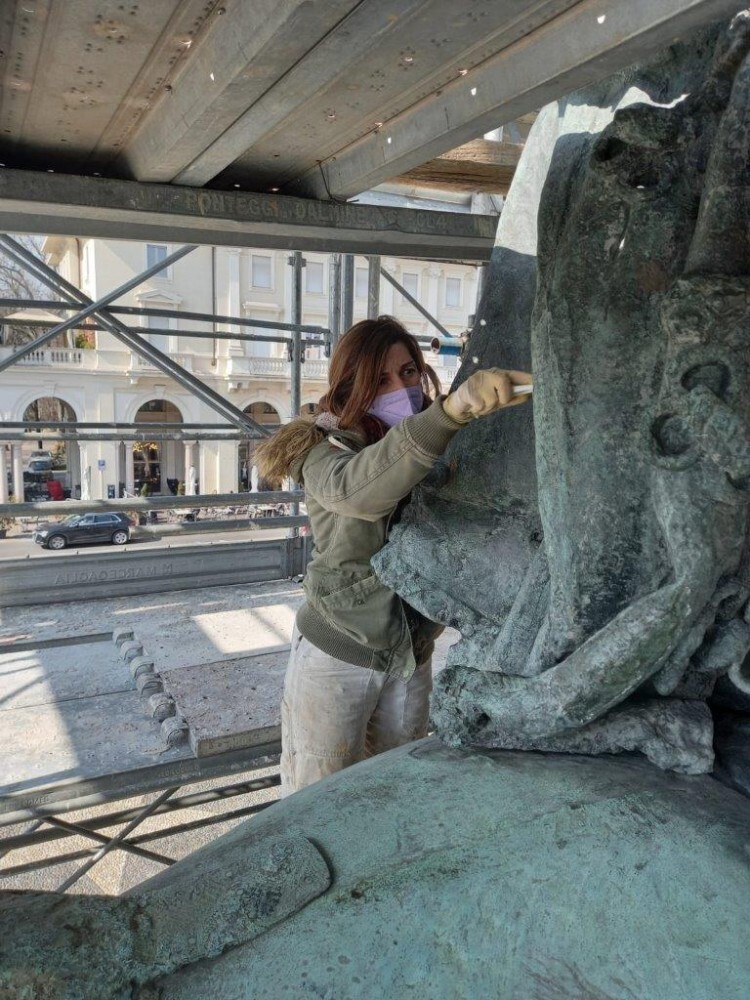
[20, 546]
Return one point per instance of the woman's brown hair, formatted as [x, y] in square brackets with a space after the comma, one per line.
[358, 362]
[353, 379]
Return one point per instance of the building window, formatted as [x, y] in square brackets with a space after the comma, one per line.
[453, 292]
[315, 351]
[155, 254]
[360, 282]
[260, 271]
[262, 348]
[159, 322]
[314, 277]
[410, 283]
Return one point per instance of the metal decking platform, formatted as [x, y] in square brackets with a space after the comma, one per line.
[76, 735]
[78, 744]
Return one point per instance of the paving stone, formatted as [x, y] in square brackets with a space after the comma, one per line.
[230, 704]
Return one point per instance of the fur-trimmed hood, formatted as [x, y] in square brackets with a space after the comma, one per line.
[284, 454]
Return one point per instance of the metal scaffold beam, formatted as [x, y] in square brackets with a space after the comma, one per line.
[181, 314]
[13, 250]
[149, 503]
[71, 205]
[334, 301]
[373, 287]
[76, 298]
[415, 302]
[297, 263]
[347, 292]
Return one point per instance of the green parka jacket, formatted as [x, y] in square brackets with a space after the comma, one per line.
[352, 491]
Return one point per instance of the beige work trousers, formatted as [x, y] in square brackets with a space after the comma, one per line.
[334, 714]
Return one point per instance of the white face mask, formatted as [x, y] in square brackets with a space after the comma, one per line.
[392, 407]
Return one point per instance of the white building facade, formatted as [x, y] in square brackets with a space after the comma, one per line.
[101, 381]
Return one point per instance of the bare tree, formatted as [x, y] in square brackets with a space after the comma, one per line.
[18, 283]
[49, 408]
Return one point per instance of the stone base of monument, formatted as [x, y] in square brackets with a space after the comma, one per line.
[517, 876]
[229, 704]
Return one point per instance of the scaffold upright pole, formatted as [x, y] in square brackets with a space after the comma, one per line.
[75, 297]
[373, 287]
[297, 262]
[334, 301]
[347, 293]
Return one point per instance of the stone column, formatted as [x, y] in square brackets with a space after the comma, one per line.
[206, 466]
[227, 467]
[73, 473]
[3, 474]
[117, 471]
[431, 301]
[85, 472]
[17, 474]
[129, 468]
[190, 469]
[101, 478]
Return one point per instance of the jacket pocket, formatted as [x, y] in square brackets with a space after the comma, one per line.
[368, 612]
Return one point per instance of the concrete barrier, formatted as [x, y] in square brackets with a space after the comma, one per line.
[119, 572]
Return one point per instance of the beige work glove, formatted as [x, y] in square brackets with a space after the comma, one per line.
[484, 392]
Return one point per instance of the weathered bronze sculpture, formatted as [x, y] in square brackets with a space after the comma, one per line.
[632, 605]
[601, 591]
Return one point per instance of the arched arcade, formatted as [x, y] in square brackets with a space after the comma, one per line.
[41, 468]
[268, 416]
[158, 465]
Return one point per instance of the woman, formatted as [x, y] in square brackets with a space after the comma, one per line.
[359, 674]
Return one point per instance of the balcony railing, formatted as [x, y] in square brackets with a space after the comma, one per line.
[317, 368]
[277, 367]
[280, 368]
[57, 357]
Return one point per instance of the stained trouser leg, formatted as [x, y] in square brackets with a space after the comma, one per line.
[402, 712]
[324, 714]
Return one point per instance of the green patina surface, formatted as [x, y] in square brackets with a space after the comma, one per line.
[603, 585]
[508, 875]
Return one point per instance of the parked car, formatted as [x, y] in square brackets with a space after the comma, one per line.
[40, 461]
[34, 491]
[80, 528]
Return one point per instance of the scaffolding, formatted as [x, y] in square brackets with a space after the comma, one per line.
[104, 315]
[120, 829]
